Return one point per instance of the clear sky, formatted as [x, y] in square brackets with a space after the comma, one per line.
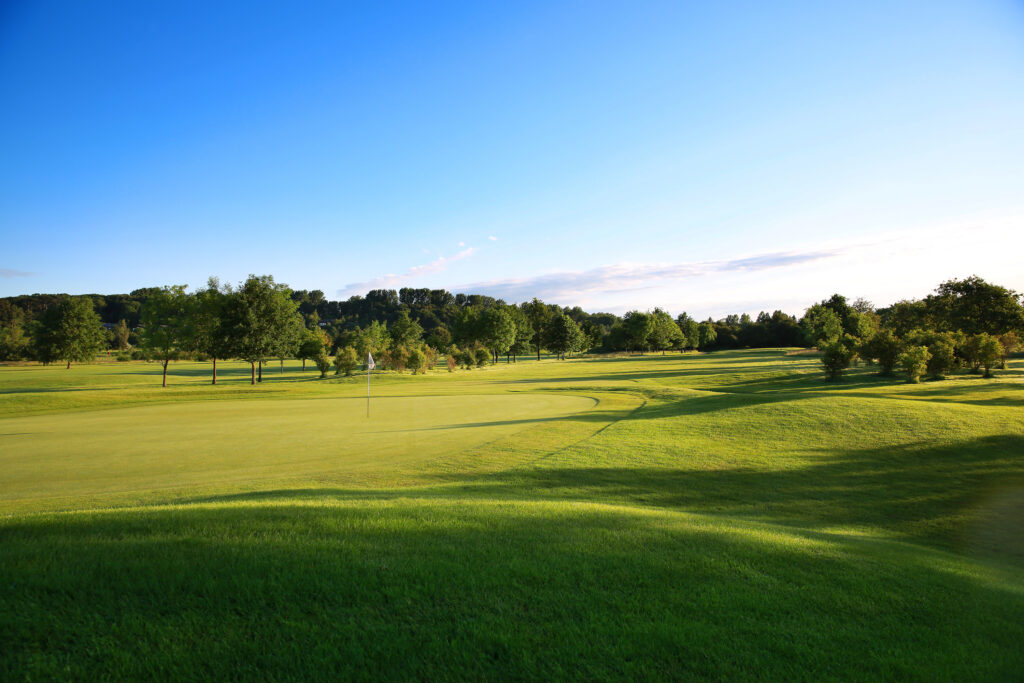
[711, 157]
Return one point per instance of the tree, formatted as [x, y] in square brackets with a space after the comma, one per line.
[665, 333]
[165, 324]
[639, 327]
[885, 347]
[989, 351]
[405, 331]
[121, 333]
[1010, 342]
[976, 306]
[561, 335]
[821, 325]
[209, 329]
[262, 319]
[373, 339]
[14, 342]
[311, 343]
[524, 333]
[914, 362]
[690, 329]
[69, 330]
[497, 330]
[440, 338]
[706, 334]
[323, 363]
[837, 355]
[941, 351]
[538, 315]
[346, 361]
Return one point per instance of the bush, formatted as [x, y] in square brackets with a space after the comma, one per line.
[482, 357]
[139, 354]
[323, 363]
[346, 361]
[417, 361]
[124, 357]
[914, 361]
[431, 355]
[450, 359]
[466, 358]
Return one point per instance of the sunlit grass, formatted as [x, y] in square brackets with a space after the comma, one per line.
[724, 515]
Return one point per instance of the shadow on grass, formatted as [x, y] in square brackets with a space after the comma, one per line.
[968, 497]
[446, 589]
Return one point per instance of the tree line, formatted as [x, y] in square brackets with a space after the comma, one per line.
[965, 323]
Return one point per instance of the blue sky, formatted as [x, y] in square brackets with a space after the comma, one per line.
[709, 157]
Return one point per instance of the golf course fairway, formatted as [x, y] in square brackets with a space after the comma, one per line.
[725, 515]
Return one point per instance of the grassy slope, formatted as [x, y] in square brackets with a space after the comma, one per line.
[722, 515]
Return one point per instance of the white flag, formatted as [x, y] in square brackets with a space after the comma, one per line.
[370, 365]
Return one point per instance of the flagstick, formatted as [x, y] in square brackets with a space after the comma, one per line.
[367, 390]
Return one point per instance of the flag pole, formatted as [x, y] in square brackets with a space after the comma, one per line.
[367, 390]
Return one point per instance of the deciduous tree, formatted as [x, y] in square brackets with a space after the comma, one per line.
[70, 331]
[166, 317]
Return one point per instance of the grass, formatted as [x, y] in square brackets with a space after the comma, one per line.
[722, 516]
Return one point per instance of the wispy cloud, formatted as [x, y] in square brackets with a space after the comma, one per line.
[493, 238]
[393, 281]
[621, 277]
[10, 272]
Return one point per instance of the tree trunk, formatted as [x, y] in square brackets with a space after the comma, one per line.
[166, 361]
[259, 377]
[514, 358]
[214, 370]
[282, 366]
[69, 366]
[507, 356]
[303, 364]
[252, 365]
[538, 352]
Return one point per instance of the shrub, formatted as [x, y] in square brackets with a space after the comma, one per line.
[466, 358]
[450, 358]
[323, 363]
[431, 355]
[914, 361]
[482, 357]
[346, 361]
[417, 361]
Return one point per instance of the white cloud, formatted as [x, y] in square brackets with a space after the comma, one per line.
[393, 281]
[493, 238]
[619, 277]
[882, 267]
[462, 244]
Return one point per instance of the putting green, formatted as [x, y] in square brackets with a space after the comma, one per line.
[186, 445]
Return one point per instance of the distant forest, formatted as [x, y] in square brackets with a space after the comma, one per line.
[963, 323]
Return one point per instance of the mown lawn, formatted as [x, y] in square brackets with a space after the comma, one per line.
[726, 515]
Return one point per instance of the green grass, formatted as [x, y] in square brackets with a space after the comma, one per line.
[724, 516]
